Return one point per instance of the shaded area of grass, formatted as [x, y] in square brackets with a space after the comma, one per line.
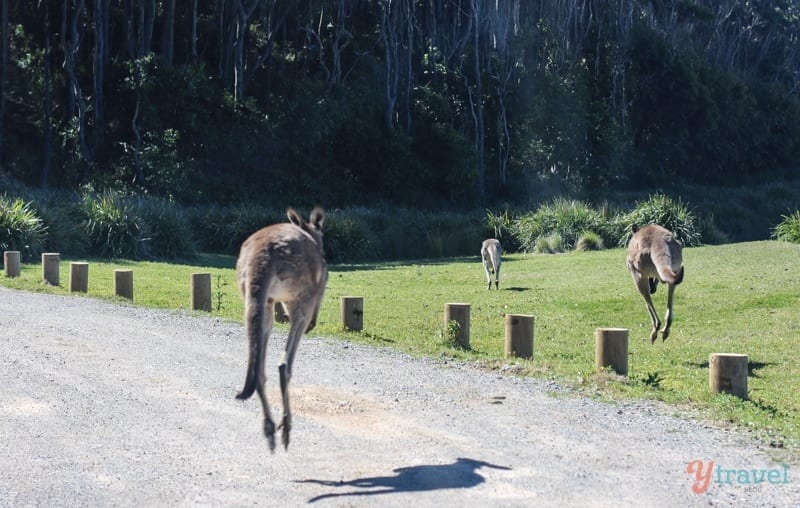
[740, 298]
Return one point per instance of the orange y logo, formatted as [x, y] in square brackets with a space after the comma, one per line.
[702, 478]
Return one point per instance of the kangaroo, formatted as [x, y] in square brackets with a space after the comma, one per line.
[285, 264]
[490, 253]
[654, 254]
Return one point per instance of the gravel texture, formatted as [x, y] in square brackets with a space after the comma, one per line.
[105, 404]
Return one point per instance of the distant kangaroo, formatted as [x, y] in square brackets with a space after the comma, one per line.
[654, 254]
[491, 251]
[283, 263]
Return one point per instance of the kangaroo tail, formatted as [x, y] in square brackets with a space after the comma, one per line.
[255, 334]
[668, 275]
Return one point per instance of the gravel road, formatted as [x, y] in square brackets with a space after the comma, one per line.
[104, 404]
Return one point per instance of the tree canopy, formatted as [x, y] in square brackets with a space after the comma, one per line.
[414, 102]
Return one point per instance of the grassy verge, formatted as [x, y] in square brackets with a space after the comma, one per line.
[742, 298]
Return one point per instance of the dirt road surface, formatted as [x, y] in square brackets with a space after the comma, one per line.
[104, 404]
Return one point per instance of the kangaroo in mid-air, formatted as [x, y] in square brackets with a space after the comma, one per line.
[655, 254]
[491, 251]
[280, 264]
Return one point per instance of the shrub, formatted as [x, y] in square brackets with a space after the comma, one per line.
[21, 228]
[664, 211]
[789, 228]
[502, 227]
[223, 229]
[565, 218]
[589, 240]
[166, 233]
[112, 230]
[347, 238]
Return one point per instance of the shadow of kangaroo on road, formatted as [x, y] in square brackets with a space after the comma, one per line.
[462, 474]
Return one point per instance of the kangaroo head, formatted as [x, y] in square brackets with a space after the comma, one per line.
[313, 227]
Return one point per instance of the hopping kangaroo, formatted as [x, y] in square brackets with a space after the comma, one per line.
[654, 254]
[490, 253]
[280, 264]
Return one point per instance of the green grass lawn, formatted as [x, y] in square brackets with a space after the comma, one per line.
[738, 298]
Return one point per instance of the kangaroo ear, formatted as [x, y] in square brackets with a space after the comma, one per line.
[317, 218]
[634, 228]
[294, 217]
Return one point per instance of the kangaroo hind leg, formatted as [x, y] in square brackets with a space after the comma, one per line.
[302, 318]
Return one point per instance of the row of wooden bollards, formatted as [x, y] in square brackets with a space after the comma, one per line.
[123, 278]
[727, 371]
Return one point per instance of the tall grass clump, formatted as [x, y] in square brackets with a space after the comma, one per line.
[501, 226]
[562, 219]
[166, 232]
[112, 229]
[21, 228]
[662, 210]
[788, 230]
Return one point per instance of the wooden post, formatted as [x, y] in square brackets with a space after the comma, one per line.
[519, 336]
[11, 263]
[201, 291]
[50, 267]
[611, 349]
[458, 312]
[352, 311]
[727, 372]
[123, 283]
[79, 277]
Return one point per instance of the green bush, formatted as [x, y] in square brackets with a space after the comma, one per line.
[502, 226]
[21, 228]
[223, 229]
[789, 228]
[348, 238]
[567, 219]
[589, 240]
[166, 232]
[664, 211]
[111, 227]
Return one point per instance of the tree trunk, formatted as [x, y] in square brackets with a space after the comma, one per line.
[48, 128]
[100, 41]
[168, 33]
[3, 67]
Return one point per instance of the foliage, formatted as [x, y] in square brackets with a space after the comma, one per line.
[789, 228]
[662, 210]
[589, 241]
[111, 227]
[678, 94]
[165, 230]
[562, 220]
[21, 228]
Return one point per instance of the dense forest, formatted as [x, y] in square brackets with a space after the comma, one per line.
[426, 103]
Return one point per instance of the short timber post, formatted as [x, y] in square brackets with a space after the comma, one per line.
[519, 336]
[611, 349]
[352, 311]
[458, 312]
[201, 291]
[79, 277]
[11, 263]
[50, 268]
[727, 372]
[123, 283]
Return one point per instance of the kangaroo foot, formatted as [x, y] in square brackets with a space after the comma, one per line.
[285, 426]
[269, 431]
